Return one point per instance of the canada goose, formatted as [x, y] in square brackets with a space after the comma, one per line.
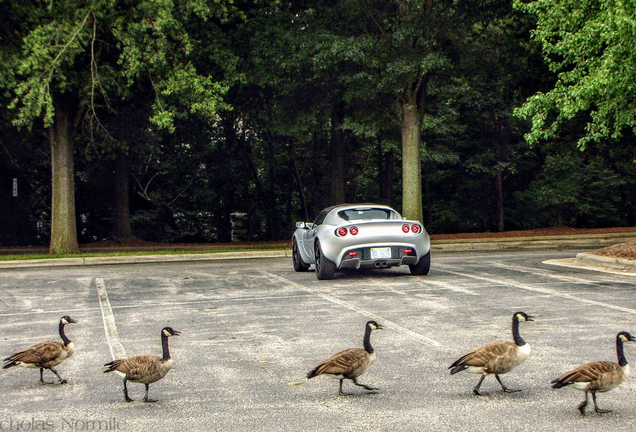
[45, 355]
[496, 358]
[145, 369]
[598, 376]
[349, 363]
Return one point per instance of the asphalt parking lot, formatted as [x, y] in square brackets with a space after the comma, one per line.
[251, 329]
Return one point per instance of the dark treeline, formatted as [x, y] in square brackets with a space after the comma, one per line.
[236, 120]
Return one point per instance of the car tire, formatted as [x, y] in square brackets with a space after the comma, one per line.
[325, 269]
[299, 264]
[423, 266]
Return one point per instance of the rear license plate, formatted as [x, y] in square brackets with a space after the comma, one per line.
[379, 253]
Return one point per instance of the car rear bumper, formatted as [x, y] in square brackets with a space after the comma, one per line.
[360, 257]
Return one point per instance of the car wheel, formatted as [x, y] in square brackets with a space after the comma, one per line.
[423, 266]
[299, 264]
[325, 269]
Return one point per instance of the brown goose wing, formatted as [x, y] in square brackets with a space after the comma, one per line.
[599, 373]
[486, 354]
[349, 363]
[139, 368]
[39, 354]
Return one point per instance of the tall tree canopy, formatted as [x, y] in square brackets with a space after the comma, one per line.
[224, 120]
[591, 45]
[69, 62]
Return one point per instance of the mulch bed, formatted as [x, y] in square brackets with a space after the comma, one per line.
[622, 250]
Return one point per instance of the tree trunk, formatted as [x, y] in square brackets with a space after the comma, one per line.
[385, 175]
[121, 204]
[337, 154]
[63, 224]
[412, 118]
[502, 139]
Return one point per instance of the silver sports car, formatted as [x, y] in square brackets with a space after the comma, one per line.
[354, 236]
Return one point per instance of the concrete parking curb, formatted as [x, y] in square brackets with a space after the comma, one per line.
[139, 259]
[582, 240]
[604, 261]
[463, 245]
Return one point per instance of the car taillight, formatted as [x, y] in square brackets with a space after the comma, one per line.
[353, 253]
[408, 251]
[353, 230]
[342, 232]
[415, 228]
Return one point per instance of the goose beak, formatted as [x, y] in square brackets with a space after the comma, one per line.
[177, 333]
[530, 318]
[380, 327]
[72, 321]
[632, 338]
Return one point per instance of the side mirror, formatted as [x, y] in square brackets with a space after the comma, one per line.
[301, 225]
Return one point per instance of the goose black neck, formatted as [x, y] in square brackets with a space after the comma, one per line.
[63, 334]
[164, 345]
[619, 351]
[367, 340]
[515, 331]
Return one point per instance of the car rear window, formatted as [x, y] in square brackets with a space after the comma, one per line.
[363, 214]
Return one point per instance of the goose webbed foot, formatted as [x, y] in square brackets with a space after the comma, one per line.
[596, 408]
[476, 389]
[146, 398]
[126, 397]
[364, 385]
[506, 389]
[42, 378]
[582, 405]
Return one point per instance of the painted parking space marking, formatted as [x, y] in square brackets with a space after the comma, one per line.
[110, 326]
[444, 285]
[385, 322]
[549, 274]
[536, 289]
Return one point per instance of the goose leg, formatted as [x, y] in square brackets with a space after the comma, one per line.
[582, 405]
[62, 381]
[126, 397]
[506, 389]
[596, 408]
[340, 392]
[42, 376]
[476, 389]
[146, 397]
[355, 381]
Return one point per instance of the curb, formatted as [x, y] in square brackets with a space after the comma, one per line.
[139, 259]
[544, 242]
[603, 261]
[463, 245]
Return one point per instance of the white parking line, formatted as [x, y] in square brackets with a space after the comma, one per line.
[540, 290]
[444, 285]
[110, 327]
[548, 274]
[385, 322]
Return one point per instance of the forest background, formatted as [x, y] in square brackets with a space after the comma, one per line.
[217, 121]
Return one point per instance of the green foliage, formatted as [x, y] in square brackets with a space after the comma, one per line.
[573, 189]
[225, 112]
[591, 45]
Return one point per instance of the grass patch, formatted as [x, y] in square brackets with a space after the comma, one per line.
[151, 250]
